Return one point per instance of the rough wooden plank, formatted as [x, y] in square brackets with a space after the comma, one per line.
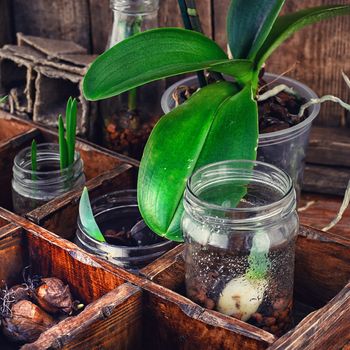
[174, 322]
[329, 146]
[101, 18]
[322, 266]
[325, 179]
[57, 19]
[328, 328]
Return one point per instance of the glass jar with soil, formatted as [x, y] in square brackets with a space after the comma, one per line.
[31, 189]
[129, 242]
[129, 118]
[240, 226]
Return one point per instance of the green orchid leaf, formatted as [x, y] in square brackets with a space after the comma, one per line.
[249, 23]
[192, 135]
[87, 218]
[3, 99]
[287, 25]
[62, 142]
[153, 55]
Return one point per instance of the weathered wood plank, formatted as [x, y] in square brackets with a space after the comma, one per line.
[325, 179]
[59, 19]
[101, 18]
[6, 26]
[327, 328]
[329, 146]
[319, 210]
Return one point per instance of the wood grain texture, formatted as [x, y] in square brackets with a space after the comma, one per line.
[123, 308]
[112, 317]
[322, 266]
[6, 29]
[326, 179]
[329, 146]
[319, 210]
[58, 19]
[185, 325]
[101, 18]
[327, 328]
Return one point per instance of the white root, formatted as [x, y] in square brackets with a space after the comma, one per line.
[306, 207]
[342, 209]
[326, 98]
[275, 91]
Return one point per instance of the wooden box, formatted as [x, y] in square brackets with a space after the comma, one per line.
[112, 317]
[16, 134]
[322, 272]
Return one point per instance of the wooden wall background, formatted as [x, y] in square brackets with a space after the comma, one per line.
[315, 56]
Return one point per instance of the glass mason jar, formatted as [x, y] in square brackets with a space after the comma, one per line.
[116, 214]
[129, 118]
[240, 258]
[31, 189]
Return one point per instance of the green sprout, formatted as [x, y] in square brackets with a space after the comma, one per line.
[3, 99]
[259, 262]
[87, 218]
[67, 139]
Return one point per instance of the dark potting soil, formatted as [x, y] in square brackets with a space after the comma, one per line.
[276, 113]
[210, 269]
[128, 133]
[117, 231]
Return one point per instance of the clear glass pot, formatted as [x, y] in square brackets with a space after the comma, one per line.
[116, 214]
[240, 259]
[129, 118]
[284, 148]
[31, 189]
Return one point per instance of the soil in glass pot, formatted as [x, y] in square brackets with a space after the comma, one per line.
[130, 117]
[129, 242]
[31, 189]
[240, 259]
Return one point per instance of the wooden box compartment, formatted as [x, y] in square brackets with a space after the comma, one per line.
[16, 134]
[112, 317]
[322, 272]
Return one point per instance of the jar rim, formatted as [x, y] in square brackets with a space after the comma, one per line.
[265, 211]
[42, 147]
[127, 194]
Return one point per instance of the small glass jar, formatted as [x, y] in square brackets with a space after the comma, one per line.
[240, 257]
[130, 117]
[31, 189]
[116, 214]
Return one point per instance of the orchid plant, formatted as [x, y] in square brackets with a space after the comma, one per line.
[218, 122]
